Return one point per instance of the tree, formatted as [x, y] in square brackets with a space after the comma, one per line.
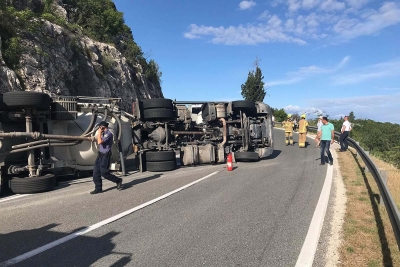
[253, 88]
[351, 116]
[279, 114]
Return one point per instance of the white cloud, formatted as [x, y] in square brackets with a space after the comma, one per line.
[249, 35]
[376, 107]
[332, 5]
[305, 72]
[308, 4]
[246, 5]
[341, 20]
[356, 4]
[309, 111]
[374, 21]
[376, 71]
[264, 15]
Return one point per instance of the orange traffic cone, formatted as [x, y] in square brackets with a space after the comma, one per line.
[229, 162]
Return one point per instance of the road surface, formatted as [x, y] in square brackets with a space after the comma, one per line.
[256, 215]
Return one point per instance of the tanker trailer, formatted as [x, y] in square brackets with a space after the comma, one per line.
[43, 137]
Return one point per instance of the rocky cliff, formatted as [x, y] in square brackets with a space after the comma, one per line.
[57, 60]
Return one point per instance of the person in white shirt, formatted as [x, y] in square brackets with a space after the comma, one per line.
[319, 125]
[346, 128]
[273, 121]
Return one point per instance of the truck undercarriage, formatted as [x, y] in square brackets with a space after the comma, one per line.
[42, 137]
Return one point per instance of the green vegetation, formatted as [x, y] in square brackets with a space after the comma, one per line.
[279, 114]
[98, 19]
[253, 88]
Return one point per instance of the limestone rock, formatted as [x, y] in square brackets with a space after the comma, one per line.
[58, 60]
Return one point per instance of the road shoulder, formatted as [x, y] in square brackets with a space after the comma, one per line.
[330, 241]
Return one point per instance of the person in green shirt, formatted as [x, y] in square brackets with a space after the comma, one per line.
[326, 137]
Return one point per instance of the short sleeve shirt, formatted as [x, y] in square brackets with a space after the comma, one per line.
[347, 126]
[327, 131]
[107, 138]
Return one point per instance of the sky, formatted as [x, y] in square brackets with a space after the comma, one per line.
[329, 56]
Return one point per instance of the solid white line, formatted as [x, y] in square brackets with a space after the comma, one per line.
[13, 197]
[97, 225]
[307, 253]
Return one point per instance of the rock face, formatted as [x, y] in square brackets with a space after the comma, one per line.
[57, 61]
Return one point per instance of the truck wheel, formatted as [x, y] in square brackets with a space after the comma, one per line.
[27, 99]
[246, 156]
[156, 156]
[158, 113]
[30, 185]
[157, 103]
[161, 166]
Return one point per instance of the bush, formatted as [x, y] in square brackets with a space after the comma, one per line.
[12, 52]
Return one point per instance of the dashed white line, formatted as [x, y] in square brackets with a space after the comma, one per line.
[97, 225]
[13, 197]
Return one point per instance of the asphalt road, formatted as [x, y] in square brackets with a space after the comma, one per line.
[256, 215]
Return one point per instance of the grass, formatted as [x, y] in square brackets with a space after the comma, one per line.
[368, 239]
[393, 178]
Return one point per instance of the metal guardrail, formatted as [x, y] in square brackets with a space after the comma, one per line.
[390, 205]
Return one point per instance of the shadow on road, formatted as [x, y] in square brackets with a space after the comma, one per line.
[81, 251]
[274, 154]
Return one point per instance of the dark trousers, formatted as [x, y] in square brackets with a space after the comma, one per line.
[325, 145]
[101, 168]
[343, 140]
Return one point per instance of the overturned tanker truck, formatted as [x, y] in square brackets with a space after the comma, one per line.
[197, 132]
[42, 136]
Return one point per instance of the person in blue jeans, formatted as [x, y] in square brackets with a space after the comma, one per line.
[326, 137]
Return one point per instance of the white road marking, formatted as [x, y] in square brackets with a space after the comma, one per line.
[97, 225]
[13, 197]
[307, 253]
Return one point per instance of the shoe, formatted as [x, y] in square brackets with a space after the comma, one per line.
[119, 184]
[321, 164]
[96, 191]
[331, 163]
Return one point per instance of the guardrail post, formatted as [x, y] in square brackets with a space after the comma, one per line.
[358, 143]
[384, 175]
[366, 168]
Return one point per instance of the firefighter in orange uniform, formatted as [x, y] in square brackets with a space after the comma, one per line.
[288, 126]
[303, 129]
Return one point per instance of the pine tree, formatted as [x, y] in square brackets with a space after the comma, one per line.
[253, 89]
[351, 116]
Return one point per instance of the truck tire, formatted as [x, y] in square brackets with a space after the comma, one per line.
[27, 99]
[247, 156]
[157, 156]
[157, 103]
[158, 113]
[161, 166]
[31, 185]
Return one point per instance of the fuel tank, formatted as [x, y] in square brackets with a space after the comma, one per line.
[85, 153]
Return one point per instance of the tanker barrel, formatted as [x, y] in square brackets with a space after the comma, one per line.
[37, 135]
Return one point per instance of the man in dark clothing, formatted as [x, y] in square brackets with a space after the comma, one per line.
[102, 164]
[346, 128]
